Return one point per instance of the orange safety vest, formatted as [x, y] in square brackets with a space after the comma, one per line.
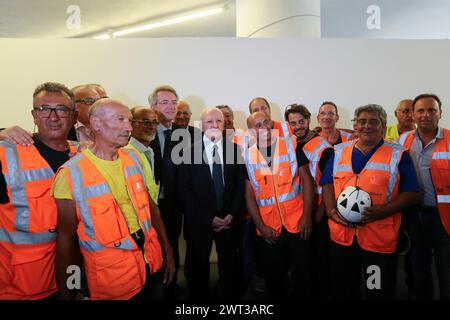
[440, 172]
[278, 191]
[27, 225]
[115, 266]
[345, 136]
[380, 178]
[313, 150]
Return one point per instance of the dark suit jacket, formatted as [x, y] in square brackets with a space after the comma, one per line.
[166, 173]
[196, 189]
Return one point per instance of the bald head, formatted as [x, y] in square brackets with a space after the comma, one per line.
[212, 123]
[110, 122]
[403, 113]
[85, 96]
[259, 126]
[144, 123]
[257, 117]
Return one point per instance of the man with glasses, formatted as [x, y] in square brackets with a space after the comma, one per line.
[405, 122]
[164, 100]
[428, 223]
[85, 96]
[384, 170]
[28, 215]
[144, 123]
[327, 118]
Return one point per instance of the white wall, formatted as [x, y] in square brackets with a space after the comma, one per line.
[207, 72]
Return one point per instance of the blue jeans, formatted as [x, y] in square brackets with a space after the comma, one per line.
[428, 236]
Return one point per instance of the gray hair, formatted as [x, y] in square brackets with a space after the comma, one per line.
[152, 98]
[55, 87]
[373, 108]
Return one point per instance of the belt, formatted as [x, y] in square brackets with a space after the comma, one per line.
[139, 238]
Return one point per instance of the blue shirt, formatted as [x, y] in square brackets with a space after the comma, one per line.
[408, 178]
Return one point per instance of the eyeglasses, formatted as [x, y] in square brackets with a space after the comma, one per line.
[61, 111]
[330, 114]
[406, 111]
[147, 122]
[88, 100]
[167, 102]
[371, 122]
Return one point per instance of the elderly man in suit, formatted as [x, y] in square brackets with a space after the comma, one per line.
[211, 188]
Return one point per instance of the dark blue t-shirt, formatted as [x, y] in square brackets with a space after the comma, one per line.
[408, 178]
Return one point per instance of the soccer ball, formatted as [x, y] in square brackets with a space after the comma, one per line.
[351, 203]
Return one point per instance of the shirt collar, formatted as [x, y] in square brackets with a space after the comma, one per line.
[139, 146]
[439, 135]
[209, 144]
[160, 128]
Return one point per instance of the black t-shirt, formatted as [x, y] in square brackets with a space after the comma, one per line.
[54, 158]
[268, 153]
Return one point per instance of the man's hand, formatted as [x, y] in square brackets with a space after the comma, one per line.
[305, 226]
[375, 212]
[169, 265]
[333, 215]
[17, 135]
[269, 234]
[219, 224]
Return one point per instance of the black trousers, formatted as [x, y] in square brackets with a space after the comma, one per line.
[172, 218]
[198, 245]
[320, 239]
[351, 264]
[153, 288]
[290, 252]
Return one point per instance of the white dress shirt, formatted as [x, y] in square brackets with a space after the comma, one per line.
[209, 147]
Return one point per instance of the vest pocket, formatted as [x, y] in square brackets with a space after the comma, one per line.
[5, 271]
[119, 274]
[42, 209]
[105, 218]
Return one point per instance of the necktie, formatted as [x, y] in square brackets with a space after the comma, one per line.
[217, 178]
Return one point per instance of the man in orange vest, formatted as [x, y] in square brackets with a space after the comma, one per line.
[384, 170]
[85, 96]
[27, 211]
[318, 151]
[260, 104]
[279, 193]
[327, 118]
[102, 197]
[428, 224]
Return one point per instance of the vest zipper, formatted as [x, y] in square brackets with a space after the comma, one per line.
[276, 197]
[356, 227]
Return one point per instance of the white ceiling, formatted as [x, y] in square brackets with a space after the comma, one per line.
[47, 18]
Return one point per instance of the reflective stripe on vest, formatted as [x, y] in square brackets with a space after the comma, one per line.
[345, 135]
[16, 178]
[314, 158]
[403, 137]
[95, 246]
[251, 168]
[81, 194]
[19, 237]
[443, 198]
[391, 168]
[441, 156]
